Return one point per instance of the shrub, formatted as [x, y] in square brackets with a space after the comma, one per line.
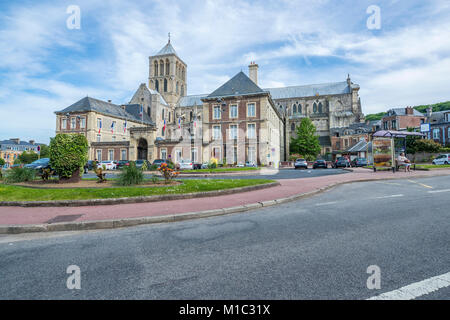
[26, 157]
[153, 167]
[166, 172]
[20, 175]
[130, 175]
[68, 154]
[154, 179]
[425, 145]
[213, 163]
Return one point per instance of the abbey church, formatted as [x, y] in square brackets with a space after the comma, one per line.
[236, 123]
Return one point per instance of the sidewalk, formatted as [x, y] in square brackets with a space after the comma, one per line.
[290, 187]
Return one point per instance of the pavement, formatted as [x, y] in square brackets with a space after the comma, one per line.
[315, 248]
[288, 188]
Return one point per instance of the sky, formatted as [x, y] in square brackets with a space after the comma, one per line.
[400, 57]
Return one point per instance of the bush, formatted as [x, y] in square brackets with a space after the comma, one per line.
[26, 157]
[425, 145]
[16, 175]
[130, 175]
[68, 154]
[213, 163]
[153, 167]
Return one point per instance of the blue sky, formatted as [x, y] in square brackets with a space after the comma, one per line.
[44, 66]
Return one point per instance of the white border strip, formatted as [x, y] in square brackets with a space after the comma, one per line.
[416, 289]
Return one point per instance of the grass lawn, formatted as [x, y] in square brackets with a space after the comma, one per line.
[16, 193]
[432, 166]
[221, 170]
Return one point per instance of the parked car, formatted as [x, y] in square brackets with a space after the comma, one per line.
[197, 166]
[140, 163]
[89, 165]
[122, 163]
[341, 162]
[186, 165]
[300, 163]
[320, 163]
[359, 162]
[240, 165]
[38, 165]
[158, 162]
[205, 165]
[250, 164]
[442, 159]
[109, 165]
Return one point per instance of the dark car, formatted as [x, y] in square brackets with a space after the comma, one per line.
[196, 166]
[158, 162]
[39, 165]
[140, 163]
[300, 163]
[320, 163]
[122, 163]
[341, 162]
[89, 165]
[359, 162]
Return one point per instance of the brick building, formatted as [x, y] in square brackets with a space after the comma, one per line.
[402, 118]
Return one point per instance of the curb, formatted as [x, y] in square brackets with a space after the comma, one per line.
[129, 222]
[113, 201]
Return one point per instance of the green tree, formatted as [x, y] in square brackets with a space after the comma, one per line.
[68, 154]
[26, 157]
[45, 151]
[307, 142]
[2, 162]
[425, 145]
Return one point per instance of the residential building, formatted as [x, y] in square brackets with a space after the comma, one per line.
[402, 118]
[11, 149]
[439, 126]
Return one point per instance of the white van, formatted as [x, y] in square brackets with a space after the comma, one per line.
[442, 159]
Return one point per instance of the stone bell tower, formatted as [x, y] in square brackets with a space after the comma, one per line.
[167, 74]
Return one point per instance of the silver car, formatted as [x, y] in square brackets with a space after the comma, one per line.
[300, 163]
[186, 165]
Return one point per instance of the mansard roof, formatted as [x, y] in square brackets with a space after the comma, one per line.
[239, 85]
[311, 90]
[107, 108]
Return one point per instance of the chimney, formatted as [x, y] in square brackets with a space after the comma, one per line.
[253, 72]
[429, 112]
[15, 140]
[409, 111]
[31, 142]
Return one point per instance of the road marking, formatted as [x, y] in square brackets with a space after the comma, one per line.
[437, 191]
[393, 183]
[326, 203]
[391, 196]
[423, 185]
[416, 289]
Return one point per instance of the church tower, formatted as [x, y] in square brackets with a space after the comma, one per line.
[167, 74]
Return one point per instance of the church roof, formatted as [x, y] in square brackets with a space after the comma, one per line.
[189, 101]
[107, 108]
[167, 49]
[310, 90]
[239, 85]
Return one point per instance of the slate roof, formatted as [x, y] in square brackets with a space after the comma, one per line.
[188, 101]
[239, 85]
[310, 90]
[21, 143]
[91, 104]
[167, 49]
[402, 112]
[359, 146]
[161, 99]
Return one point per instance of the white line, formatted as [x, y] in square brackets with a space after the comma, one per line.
[391, 196]
[416, 289]
[326, 203]
[437, 191]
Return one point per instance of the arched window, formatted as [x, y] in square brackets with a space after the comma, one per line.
[294, 108]
[315, 107]
[320, 107]
[167, 67]
[157, 85]
[299, 109]
[161, 67]
[183, 74]
[156, 68]
[170, 116]
[162, 131]
[162, 114]
[165, 85]
[177, 88]
[293, 127]
[190, 116]
[182, 90]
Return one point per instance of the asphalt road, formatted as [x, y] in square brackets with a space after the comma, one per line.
[264, 174]
[316, 248]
